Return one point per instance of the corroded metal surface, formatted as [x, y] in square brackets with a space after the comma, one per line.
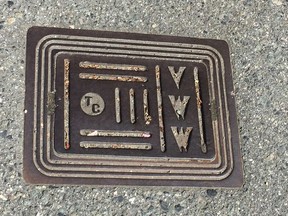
[129, 109]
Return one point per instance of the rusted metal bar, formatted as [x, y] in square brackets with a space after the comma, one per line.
[199, 106]
[117, 105]
[114, 133]
[147, 117]
[112, 77]
[111, 145]
[132, 105]
[160, 108]
[107, 66]
[66, 103]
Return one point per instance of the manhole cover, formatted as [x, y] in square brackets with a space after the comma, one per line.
[108, 108]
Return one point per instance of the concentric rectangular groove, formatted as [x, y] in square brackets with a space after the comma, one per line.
[108, 66]
[184, 161]
[145, 159]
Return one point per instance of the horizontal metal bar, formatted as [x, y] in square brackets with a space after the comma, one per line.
[107, 66]
[112, 77]
[109, 145]
[114, 133]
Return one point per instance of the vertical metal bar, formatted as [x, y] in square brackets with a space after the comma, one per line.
[132, 105]
[66, 104]
[147, 117]
[160, 109]
[199, 105]
[117, 105]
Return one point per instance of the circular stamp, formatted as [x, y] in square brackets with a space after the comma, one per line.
[92, 104]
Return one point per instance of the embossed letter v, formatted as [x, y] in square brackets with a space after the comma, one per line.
[181, 137]
[176, 76]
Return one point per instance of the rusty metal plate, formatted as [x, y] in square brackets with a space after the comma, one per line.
[109, 108]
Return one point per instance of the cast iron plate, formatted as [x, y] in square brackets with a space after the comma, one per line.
[110, 108]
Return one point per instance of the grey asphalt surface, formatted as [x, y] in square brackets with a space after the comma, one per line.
[257, 32]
